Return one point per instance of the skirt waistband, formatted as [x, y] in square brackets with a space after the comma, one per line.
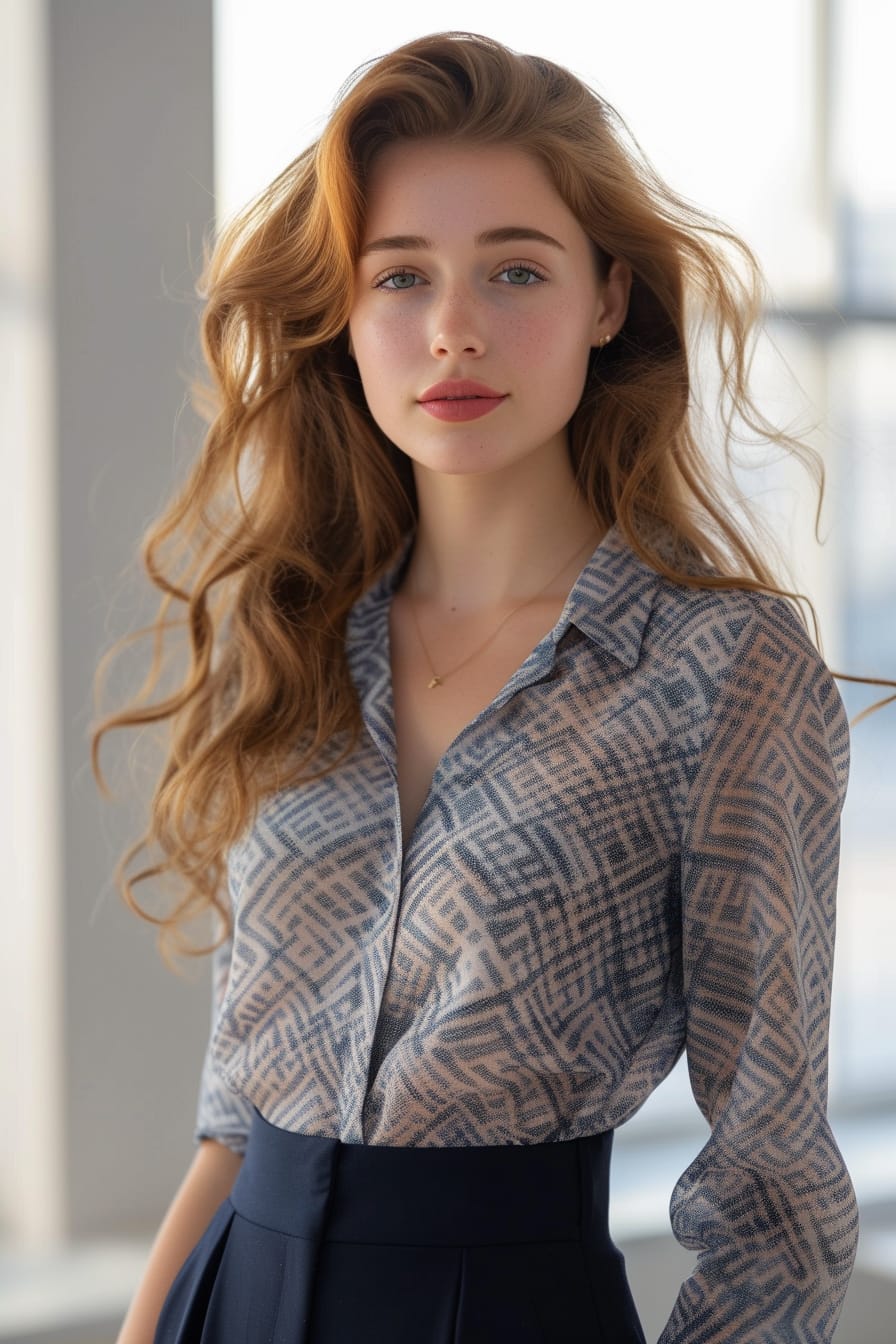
[322, 1189]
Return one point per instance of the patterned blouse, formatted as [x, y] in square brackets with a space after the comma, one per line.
[631, 851]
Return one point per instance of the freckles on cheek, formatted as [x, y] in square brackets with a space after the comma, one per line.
[523, 334]
[385, 338]
[540, 337]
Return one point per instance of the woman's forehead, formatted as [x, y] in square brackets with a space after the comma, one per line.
[434, 186]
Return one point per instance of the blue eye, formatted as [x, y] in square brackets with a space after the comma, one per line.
[397, 276]
[520, 276]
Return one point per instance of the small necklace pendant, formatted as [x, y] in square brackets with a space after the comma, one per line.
[436, 681]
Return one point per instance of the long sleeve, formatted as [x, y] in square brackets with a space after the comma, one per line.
[221, 1114]
[767, 1204]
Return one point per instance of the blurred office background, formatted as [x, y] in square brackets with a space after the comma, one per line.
[127, 128]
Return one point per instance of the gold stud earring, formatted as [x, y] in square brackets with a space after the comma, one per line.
[605, 340]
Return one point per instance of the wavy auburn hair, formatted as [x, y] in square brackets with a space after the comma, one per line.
[298, 501]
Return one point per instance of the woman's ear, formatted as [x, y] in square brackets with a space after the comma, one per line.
[612, 305]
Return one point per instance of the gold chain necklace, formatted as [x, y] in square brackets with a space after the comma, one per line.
[438, 678]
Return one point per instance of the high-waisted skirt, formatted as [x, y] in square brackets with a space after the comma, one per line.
[322, 1242]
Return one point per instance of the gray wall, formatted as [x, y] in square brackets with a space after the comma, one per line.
[130, 86]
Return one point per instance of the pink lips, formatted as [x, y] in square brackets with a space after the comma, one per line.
[460, 399]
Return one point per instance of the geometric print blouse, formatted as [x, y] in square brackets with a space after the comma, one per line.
[630, 852]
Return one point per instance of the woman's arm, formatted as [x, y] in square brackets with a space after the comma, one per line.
[207, 1183]
[767, 1205]
[222, 1126]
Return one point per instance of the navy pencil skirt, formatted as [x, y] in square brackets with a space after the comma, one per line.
[322, 1242]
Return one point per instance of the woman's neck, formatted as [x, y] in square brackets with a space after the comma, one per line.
[481, 545]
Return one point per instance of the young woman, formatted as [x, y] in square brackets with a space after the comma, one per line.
[503, 756]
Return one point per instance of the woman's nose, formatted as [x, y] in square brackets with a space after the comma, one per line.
[457, 330]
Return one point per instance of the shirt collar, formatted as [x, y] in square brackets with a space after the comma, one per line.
[610, 602]
[612, 599]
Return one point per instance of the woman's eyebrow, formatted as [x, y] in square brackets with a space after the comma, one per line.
[512, 233]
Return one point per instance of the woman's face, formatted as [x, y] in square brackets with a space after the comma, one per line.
[473, 269]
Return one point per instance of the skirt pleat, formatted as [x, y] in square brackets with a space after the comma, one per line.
[263, 1288]
[385, 1294]
[185, 1309]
